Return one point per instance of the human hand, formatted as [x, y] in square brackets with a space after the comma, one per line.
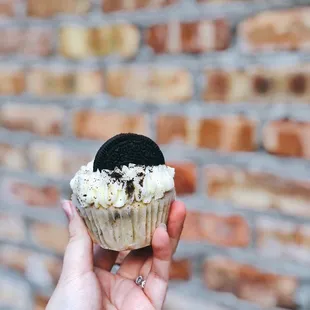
[86, 281]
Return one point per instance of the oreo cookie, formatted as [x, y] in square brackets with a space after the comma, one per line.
[128, 148]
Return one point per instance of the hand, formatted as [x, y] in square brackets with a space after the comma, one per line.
[86, 281]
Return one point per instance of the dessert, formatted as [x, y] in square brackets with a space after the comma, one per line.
[125, 193]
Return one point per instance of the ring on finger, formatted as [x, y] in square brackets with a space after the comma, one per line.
[140, 281]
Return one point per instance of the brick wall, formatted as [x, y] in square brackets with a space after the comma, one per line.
[222, 86]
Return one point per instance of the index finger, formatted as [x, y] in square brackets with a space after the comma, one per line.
[175, 223]
[104, 259]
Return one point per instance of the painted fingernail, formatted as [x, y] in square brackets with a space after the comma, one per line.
[67, 207]
[163, 225]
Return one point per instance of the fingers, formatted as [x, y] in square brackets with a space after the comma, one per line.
[130, 268]
[175, 225]
[104, 259]
[78, 258]
[175, 222]
[157, 280]
[139, 262]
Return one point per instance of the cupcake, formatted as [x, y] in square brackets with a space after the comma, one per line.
[125, 193]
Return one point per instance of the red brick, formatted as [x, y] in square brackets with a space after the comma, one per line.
[185, 177]
[249, 283]
[40, 302]
[48, 82]
[218, 1]
[7, 8]
[226, 86]
[228, 134]
[39, 119]
[258, 84]
[34, 196]
[258, 190]
[171, 128]
[287, 138]
[150, 84]
[44, 9]
[12, 157]
[12, 81]
[36, 267]
[12, 227]
[14, 257]
[48, 159]
[123, 5]
[189, 37]
[14, 293]
[50, 236]
[276, 30]
[228, 231]
[11, 40]
[54, 161]
[283, 239]
[93, 124]
[180, 270]
[32, 41]
[79, 42]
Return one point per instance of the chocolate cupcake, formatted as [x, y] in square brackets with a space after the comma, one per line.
[125, 193]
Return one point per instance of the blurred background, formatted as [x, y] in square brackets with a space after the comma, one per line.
[222, 86]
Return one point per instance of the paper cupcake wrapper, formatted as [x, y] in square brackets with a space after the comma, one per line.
[127, 228]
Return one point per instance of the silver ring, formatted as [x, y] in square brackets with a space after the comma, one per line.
[140, 282]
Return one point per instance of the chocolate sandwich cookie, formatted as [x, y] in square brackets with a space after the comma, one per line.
[128, 148]
[125, 193]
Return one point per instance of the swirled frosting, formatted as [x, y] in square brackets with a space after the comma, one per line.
[121, 186]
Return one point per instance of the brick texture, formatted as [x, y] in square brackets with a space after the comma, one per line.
[12, 157]
[79, 43]
[54, 161]
[7, 8]
[250, 283]
[32, 41]
[185, 177]
[150, 84]
[194, 37]
[93, 124]
[33, 195]
[48, 120]
[14, 293]
[41, 302]
[44, 9]
[123, 5]
[222, 86]
[12, 228]
[51, 236]
[171, 128]
[47, 82]
[12, 81]
[287, 138]
[260, 191]
[257, 84]
[228, 231]
[180, 270]
[230, 134]
[285, 238]
[281, 30]
[35, 266]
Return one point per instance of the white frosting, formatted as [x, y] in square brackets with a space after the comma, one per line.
[103, 189]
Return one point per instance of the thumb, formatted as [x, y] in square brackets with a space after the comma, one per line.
[78, 258]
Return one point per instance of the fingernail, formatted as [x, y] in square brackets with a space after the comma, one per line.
[67, 207]
[163, 225]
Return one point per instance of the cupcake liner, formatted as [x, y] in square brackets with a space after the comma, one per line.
[127, 228]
